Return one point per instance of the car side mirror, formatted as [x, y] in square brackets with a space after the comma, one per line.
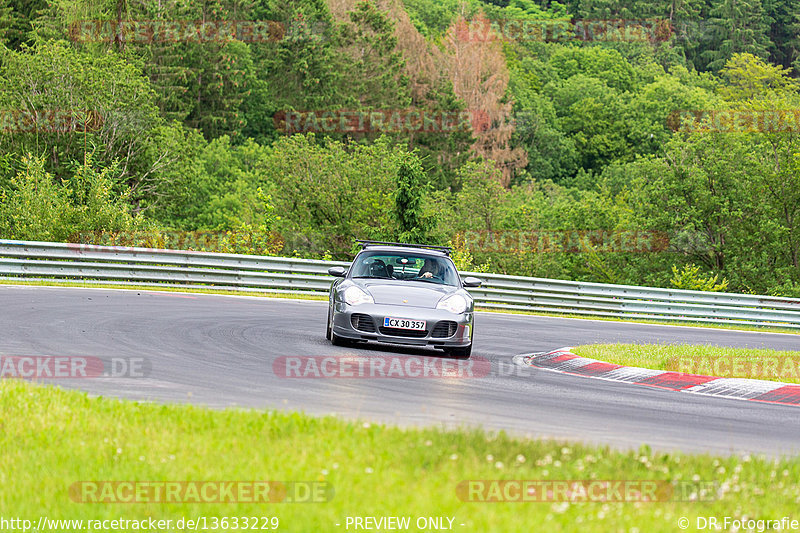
[337, 272]
[469, 281]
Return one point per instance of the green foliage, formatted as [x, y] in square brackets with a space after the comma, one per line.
[7, 20]
[749, 77]
[16, 21]
[412, 224]
[186, 139]
[329, 193]
[590, 113]
[37, 207]
[601, 63]
[552, 154]
[374, 72]
[690, 278]
[432, 17]
[735, 26]
[104, 109]
[305, 70]
[52, 76]
[585, 108]
[463, 259]
[481, 195]
[442, 153]
[534, 10]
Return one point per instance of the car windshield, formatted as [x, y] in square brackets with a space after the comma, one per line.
[406, 267]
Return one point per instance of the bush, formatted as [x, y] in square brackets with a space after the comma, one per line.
[38, 207]
[689, 278]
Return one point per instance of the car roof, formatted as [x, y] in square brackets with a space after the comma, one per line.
[404, 250]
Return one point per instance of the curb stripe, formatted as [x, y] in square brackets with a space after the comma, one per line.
[789, 394]
[676, 380]
[561, 357]
[566, 362]
[631, 374]
[745, 389]
[596, 369]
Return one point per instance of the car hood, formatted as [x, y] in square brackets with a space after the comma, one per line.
[405, 293]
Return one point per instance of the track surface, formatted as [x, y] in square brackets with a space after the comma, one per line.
[218, 351]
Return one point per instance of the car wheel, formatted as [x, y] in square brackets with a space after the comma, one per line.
[336, 340]
[461, 352]
[328, 329]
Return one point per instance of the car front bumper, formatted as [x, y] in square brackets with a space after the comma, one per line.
[365, 322]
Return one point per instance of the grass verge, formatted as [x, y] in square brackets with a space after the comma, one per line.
[773, 365]
[53, 438]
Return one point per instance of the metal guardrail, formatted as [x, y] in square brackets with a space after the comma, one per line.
[78, 263]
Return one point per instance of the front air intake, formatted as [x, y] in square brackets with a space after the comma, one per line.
[362, 322]
[444, 329]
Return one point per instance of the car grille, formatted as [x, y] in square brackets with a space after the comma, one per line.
[362, 322]
[445, 328]
[403, 332]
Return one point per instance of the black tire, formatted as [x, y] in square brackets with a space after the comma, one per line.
[328, 328]
[336, 340]
[461, 352]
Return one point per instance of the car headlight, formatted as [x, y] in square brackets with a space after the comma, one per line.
[355, 296]
[454, 303]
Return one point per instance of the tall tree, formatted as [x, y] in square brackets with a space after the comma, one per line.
[736, 26]
[375, 70]
[784, 31]
[16, 20]
[412, 224]
[480, 78]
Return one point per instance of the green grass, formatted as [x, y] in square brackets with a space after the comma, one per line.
[774, 365]
[297, 296]
[52, 438]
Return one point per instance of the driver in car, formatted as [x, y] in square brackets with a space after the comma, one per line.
[429, 269]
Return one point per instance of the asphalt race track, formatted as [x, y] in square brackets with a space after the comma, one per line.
[219, 351]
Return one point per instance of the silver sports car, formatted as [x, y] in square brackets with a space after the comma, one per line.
[402, 294]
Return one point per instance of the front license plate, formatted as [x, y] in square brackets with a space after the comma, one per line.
[404, 323]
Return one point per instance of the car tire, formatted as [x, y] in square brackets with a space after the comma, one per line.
[336, 340]
[328, 329]
[460, 353]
